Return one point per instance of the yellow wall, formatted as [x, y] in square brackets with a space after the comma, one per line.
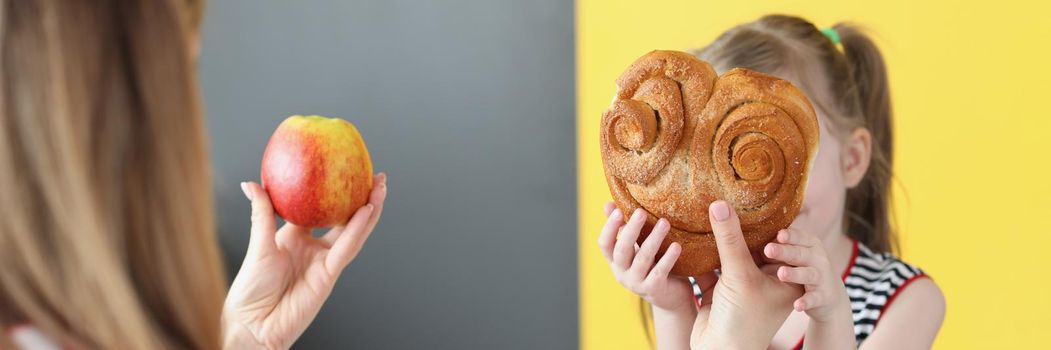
[971, 84]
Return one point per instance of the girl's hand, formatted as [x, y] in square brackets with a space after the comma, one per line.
[825, 298]
[287, 274]
[748, 304]
[636, 267]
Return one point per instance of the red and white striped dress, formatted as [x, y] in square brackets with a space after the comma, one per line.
[872, 281]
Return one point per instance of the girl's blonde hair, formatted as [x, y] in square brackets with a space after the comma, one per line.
[847, 83]
[108, 237]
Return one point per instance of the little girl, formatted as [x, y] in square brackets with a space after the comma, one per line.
[839, 248]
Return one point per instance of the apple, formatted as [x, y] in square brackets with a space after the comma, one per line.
[317, 171]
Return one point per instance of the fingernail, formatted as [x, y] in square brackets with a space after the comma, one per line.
[616, 214]
[719, 210]
[637, 215]
[369, 207]
[244, 188]
[662, 224]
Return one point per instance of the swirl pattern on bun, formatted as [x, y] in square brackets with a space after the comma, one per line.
[678, 137]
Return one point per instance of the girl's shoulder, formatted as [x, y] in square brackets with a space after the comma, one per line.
[876, 270]
[877, 280]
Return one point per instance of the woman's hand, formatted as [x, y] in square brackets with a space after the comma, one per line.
[748, 304]
[287, 274]
[636, 267]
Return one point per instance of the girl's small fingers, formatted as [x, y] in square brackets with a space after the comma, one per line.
[663, 266]
[624, 249]
[790, 254]
[799, 275]
[797, 237]
[608, 208]
[808, 301]
[771, 269]
[644, 258]
[766, 260]
[608, 237]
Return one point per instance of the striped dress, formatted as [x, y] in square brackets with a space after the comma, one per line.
[872, 281]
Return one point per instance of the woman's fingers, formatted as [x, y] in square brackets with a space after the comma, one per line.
[608, 237]
[264, 225]
[330, 237]
[350, 241]
[624, 249]
[805, 275]
[644, 258]
[733, 250]
[790, 254]
[376, 198]
[291, 235]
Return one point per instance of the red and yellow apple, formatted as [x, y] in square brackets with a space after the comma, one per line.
[317, 171]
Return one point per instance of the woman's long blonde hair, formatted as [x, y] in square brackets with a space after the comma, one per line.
[107, 238]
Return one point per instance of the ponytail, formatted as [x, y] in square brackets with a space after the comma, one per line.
[868, 204]
[844, 75]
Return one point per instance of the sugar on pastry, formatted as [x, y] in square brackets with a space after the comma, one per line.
[678, 137]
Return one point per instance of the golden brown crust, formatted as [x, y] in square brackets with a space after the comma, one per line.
[677, 137]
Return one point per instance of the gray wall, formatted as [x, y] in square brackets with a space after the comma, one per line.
[468, 105]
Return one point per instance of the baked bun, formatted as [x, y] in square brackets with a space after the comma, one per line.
[677, 137]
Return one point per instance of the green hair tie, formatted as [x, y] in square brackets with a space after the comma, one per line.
[832, 35]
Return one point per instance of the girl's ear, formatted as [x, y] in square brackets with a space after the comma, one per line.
[856, 156]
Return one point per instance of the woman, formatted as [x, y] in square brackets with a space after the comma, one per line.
[108, 239]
